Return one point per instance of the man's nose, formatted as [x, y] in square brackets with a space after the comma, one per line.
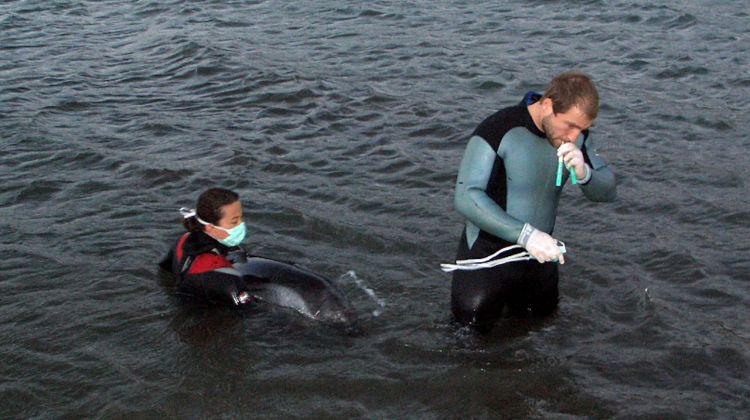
[573, 135]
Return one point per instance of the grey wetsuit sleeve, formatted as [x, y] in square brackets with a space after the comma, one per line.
[471, 199]
[601, 186]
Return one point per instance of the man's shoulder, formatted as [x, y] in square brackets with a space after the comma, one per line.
[494, 127]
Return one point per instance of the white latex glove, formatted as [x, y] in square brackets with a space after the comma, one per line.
[573, 158]
[543, 247]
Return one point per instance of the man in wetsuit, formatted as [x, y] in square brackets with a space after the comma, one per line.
[507, 192]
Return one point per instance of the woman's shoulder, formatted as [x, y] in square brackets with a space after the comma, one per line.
[208, 261]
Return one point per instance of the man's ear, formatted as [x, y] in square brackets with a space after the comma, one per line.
[547, 105]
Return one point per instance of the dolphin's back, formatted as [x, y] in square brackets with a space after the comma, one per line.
[295, 287]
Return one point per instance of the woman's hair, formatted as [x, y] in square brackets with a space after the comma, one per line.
[571, 89]
[209, 207]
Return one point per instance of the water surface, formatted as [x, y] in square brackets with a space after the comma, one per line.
[342, 127]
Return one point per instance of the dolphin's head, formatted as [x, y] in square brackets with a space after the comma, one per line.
[329, 307]
[336, 310]
[297, 288]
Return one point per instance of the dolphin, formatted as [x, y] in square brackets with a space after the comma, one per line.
[291, 286]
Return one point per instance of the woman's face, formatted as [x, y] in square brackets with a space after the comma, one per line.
[231, 217]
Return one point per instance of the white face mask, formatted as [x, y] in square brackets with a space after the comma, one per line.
[236, 234]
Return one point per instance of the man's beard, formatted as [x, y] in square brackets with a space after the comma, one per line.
[549, 132]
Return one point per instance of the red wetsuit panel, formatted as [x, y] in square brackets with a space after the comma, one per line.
[208, 262]
[179, 246]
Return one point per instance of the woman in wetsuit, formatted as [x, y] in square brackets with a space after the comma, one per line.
[201, 261]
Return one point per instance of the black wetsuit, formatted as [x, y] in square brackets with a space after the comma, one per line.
[202, 267]
[506, 184]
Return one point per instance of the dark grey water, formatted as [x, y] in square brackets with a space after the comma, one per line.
[342, 127]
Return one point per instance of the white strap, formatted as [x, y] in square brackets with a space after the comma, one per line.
[463, 265]
[485, 259]
[488, 262]
[187, 213]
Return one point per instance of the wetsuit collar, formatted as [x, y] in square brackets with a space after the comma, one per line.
[530, 98]
[201, 243]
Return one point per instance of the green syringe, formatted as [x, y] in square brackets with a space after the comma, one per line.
[558, 180]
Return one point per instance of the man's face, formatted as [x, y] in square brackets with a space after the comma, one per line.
[563, 127]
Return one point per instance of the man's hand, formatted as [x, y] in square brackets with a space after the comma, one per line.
[543, 247]
[573, 158]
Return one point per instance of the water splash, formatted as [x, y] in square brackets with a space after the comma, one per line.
[351, 275]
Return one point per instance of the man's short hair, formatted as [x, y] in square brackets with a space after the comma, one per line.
[571, 89]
